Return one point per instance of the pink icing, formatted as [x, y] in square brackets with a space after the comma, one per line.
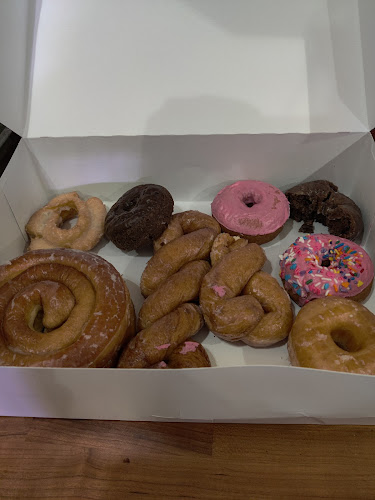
[350, 269]
[219, 290]
[269, 212]
[162, 346]
[189, 347]
[162, 364]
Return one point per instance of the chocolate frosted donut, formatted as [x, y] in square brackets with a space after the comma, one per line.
[139, 216]
[320, 201]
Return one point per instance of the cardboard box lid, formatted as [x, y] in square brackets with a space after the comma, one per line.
[165, 67]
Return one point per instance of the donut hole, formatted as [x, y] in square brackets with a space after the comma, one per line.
[249, 200]
[68, 218]
[326, 263]
[68, 224]
[345, 340]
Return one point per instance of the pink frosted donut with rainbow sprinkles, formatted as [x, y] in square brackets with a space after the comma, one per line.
[253, 210]
[321, 265]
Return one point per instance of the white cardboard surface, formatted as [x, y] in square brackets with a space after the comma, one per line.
[141, 67]
[246, 384]
[243, 394]
[17, 24]
[194, 168]
[367, 17]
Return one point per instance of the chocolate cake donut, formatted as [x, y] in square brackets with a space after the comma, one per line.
[139, 216]
[320, 201]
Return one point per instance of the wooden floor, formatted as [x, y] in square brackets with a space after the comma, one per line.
[64, 459]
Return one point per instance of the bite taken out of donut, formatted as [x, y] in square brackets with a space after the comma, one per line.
[251, 209]
[322, 202]
[321, 265]
[139, 217]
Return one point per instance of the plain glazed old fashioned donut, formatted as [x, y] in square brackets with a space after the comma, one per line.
[44, 227]
[320, 201]
[253, 210]
[240, 302]
[320, 265]
[139, 216]
[63, 308]
[334, 334]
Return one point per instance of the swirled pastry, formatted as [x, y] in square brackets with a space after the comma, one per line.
[63, 308]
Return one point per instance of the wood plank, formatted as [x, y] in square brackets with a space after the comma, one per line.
[50, 459]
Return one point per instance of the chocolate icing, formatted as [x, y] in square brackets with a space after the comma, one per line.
[320, 201]
[139, 216]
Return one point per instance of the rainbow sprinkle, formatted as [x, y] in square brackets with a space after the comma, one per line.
[334, 267]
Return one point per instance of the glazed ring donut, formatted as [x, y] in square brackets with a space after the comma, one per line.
[44, 228]
[320, 201]
[139, 216]
[320, 265]
[63, 308]
[253, 210]
[158, 342]
[336, 334]
[262, 315]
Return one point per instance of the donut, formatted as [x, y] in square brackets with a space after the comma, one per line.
[189, 354]
[160, 344]
[139, 216]
[336, 334]
[241, 302]
[63, 308]
[320, 201]
[320, 265]
[189, 237]
[44, 226]
[253, 210]
[170, 282]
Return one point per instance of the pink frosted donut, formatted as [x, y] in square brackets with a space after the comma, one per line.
[253, 210]
[319, 265]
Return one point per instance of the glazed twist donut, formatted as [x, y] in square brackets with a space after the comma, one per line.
[172, 279]
[334, 333]
[44, 228]
[240, 302]
[155, 345]
[63, 308]
[188, 237]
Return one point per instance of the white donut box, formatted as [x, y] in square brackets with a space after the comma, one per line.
[193, 95]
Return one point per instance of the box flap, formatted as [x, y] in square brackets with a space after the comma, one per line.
[18, 21]
[136, 67]
[367, 20]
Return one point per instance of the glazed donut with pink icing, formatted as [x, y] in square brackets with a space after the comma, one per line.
[321, 265]
[253, 210]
